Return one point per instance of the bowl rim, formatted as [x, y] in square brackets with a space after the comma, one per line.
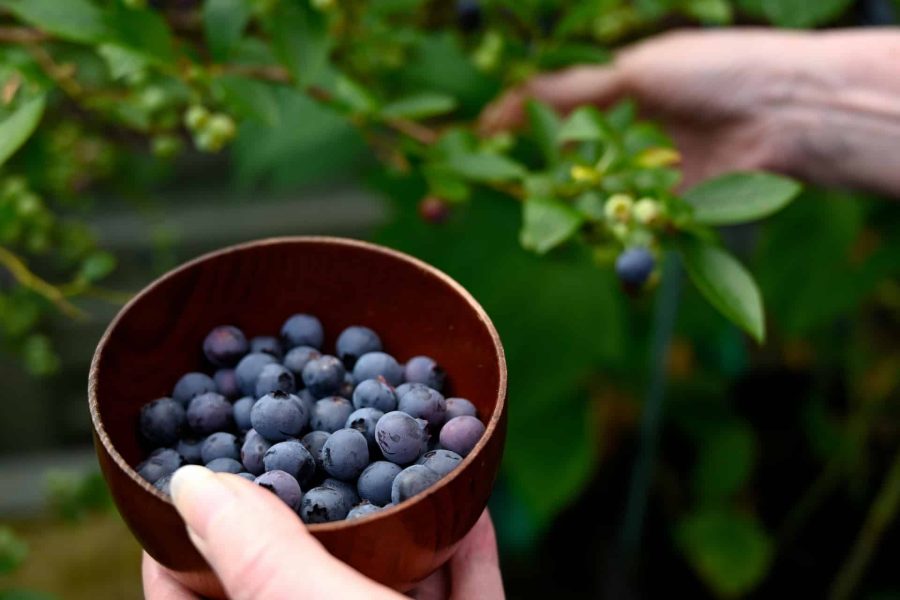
[490, 428]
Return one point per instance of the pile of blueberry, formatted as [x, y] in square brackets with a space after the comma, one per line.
[334, 437]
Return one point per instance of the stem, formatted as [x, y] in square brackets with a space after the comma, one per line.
[24, 276]
[882, 512]
[663, 327]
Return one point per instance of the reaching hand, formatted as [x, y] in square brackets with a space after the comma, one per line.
[823, 106]
[261, 550]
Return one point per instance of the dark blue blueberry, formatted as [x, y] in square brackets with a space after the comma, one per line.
[225, 465]
[347, 386]
[297, 358]
[291, 457]
[460, 434]
[424, 403]
[278, 416]
[220, 445]
[323, 376]
[241, 410]
[208, 413]
[634, 265]
[373, 364]
[375, 393]
[284, 486]
[253, 451]
[406, 387]
[345, 454]
[162, 421]
[268, 345]
[411, 481]
[440, 461]
[424, 369]
[356, 341]
[247, 476]
[164, 484]
[302, 330]
[314, 441]
[192, 385]
[248, 370]
[227, 383]
[364, 420]
[468, 15]
[274, 378]
[307, 400]
[330, 414]
[400, 437]
[189, 449]
[374, 483]
[225, 345]
[322, 505]
[161, 462]
[361, 510]
[347, 490]
[458, 407]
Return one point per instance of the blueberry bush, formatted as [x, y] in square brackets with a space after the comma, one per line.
[577, 224]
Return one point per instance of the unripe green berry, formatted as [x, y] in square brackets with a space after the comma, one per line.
[322, 5]
[647, 211]
[135, 4]
[222, 126]
[207, 141]
[166, 146]
[618, 208]
[196, 117]
[153, 98]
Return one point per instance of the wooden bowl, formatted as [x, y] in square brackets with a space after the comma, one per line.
[415, 308]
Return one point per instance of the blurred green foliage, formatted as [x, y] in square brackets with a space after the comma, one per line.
[113, 95]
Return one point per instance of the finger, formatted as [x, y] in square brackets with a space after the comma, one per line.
[435, 587]
[475, 568]
[563, 90]
[159, 584]
[257, 546]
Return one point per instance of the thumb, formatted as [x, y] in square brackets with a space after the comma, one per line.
[563, 90]
[257, 546]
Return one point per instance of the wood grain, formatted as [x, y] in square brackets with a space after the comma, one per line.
[415, 308]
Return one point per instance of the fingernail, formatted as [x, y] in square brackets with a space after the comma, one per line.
[197, 493]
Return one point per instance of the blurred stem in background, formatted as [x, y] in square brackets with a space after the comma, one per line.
[663, 327]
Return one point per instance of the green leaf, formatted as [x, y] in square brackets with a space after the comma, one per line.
[803, 13]
[277, 155]
[547, 224]
[18, 127]
[726, 284]
[484, 166]
[145, 32]
[301, 41]
[545, 124]
[740, 197]
[75, 20]
[122, 61]
[731, 552]
[97, 265]
[583, 125]
[38, 355]
[250, 98]
[557, 57]
[12, 551]
[354, 95]
[445, 184]
[223, 24]
[710, 12]
[420, 106]
[725, 462]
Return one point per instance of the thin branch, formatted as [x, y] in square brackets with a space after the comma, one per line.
[24, 276]
[881, 514]
[63, 75]
[417, 131]
[22, 35]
